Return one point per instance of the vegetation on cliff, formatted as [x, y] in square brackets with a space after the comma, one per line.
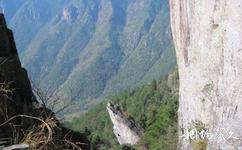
[154, 106]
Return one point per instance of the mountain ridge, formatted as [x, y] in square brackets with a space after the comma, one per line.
[93, 48]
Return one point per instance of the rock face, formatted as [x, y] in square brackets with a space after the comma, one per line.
[15, 89]
[125, 129]
[17, 98]
[207, 37]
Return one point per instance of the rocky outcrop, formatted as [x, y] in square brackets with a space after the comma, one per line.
[207, 37]
[125, 129]
[15, 90]
[17, 98]
[69, 13]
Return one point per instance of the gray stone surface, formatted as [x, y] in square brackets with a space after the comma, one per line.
[208, 41]
[126, 130]
[18, 147]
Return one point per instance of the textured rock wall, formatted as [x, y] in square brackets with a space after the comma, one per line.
[208, 41]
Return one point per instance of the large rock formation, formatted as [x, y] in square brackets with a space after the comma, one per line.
[208, 42]
[17, 98]
[15, 91]
[125, 129]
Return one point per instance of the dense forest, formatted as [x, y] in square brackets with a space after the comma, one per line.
[153, 106]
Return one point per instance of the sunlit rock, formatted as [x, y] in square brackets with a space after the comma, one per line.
[126, 130]
[207, 37]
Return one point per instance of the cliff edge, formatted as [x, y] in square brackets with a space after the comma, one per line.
[22, 118]
[207, 37]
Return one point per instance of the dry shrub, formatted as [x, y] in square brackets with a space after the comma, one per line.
[5, 88]
[41, 135]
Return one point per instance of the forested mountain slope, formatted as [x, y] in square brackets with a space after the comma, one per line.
[92, 48]
[154, 106]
